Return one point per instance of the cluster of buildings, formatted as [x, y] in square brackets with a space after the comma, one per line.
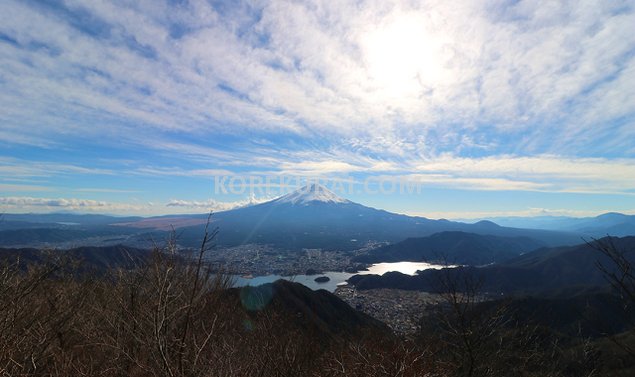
[258, 260]
[399, 309]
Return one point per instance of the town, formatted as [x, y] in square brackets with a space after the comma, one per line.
[260, 260]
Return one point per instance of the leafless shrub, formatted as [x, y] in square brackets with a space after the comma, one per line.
[619, 270]
[471, 335]
[37, 315]
[173, 316]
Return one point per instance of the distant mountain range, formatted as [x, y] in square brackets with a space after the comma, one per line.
[614, 224]
[452, 248]
[311, 217]
[314, 217]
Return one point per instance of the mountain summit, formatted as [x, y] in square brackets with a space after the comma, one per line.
[315, 217]
[310, 194]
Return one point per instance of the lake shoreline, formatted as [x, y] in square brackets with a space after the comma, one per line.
[335, 278]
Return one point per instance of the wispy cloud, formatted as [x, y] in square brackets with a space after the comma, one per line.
[529, 212]
[13, 137]
[14, 187]
[300, 68]
[546, 173]
[15, 201]
[54, 204]
[523, 95]
[180, 172]
[215, 205]
[549, 173]
[106, 190]
[21, 168]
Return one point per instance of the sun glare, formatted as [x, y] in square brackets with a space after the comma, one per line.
[402, 57]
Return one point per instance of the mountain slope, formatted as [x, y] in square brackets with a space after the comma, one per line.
[319, 310]
[311, 217]
[313, 193]
[552, 271]
[315, 217]
[91, 258]
[454, 248]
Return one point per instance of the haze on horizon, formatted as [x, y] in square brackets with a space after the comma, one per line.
[494, 108]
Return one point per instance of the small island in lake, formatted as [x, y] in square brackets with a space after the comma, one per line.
[322, 279]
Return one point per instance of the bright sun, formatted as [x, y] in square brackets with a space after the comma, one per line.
[403, 57]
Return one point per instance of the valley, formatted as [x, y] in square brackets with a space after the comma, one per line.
[260, 260]
[400, 309]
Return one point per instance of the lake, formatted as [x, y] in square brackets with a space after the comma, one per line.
[338, 278]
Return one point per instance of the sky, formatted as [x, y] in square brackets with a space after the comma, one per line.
[489, 108]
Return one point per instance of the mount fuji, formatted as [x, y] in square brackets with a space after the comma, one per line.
[315, 217]
[310, 194]
[311, 217]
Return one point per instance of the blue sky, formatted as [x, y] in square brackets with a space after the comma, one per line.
[490, 107]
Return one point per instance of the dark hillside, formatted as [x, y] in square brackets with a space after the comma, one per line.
[545, 271]
[318, 311]
[90, 258]
[453, 248]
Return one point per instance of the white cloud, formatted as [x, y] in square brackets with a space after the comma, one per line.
[486, 95]
[106, 190]
[13, 187]
[215, 205]
[548, 173]
[180, 172]
[15, 201]
[24, 203]
[320, 67]
[470, 183]
[530, 212]
[20, 168]
[317, 168]
[14, 137]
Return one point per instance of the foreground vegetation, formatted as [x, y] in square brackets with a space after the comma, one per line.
[166, 315]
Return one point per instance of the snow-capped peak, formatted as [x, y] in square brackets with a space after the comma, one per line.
[311, 193]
